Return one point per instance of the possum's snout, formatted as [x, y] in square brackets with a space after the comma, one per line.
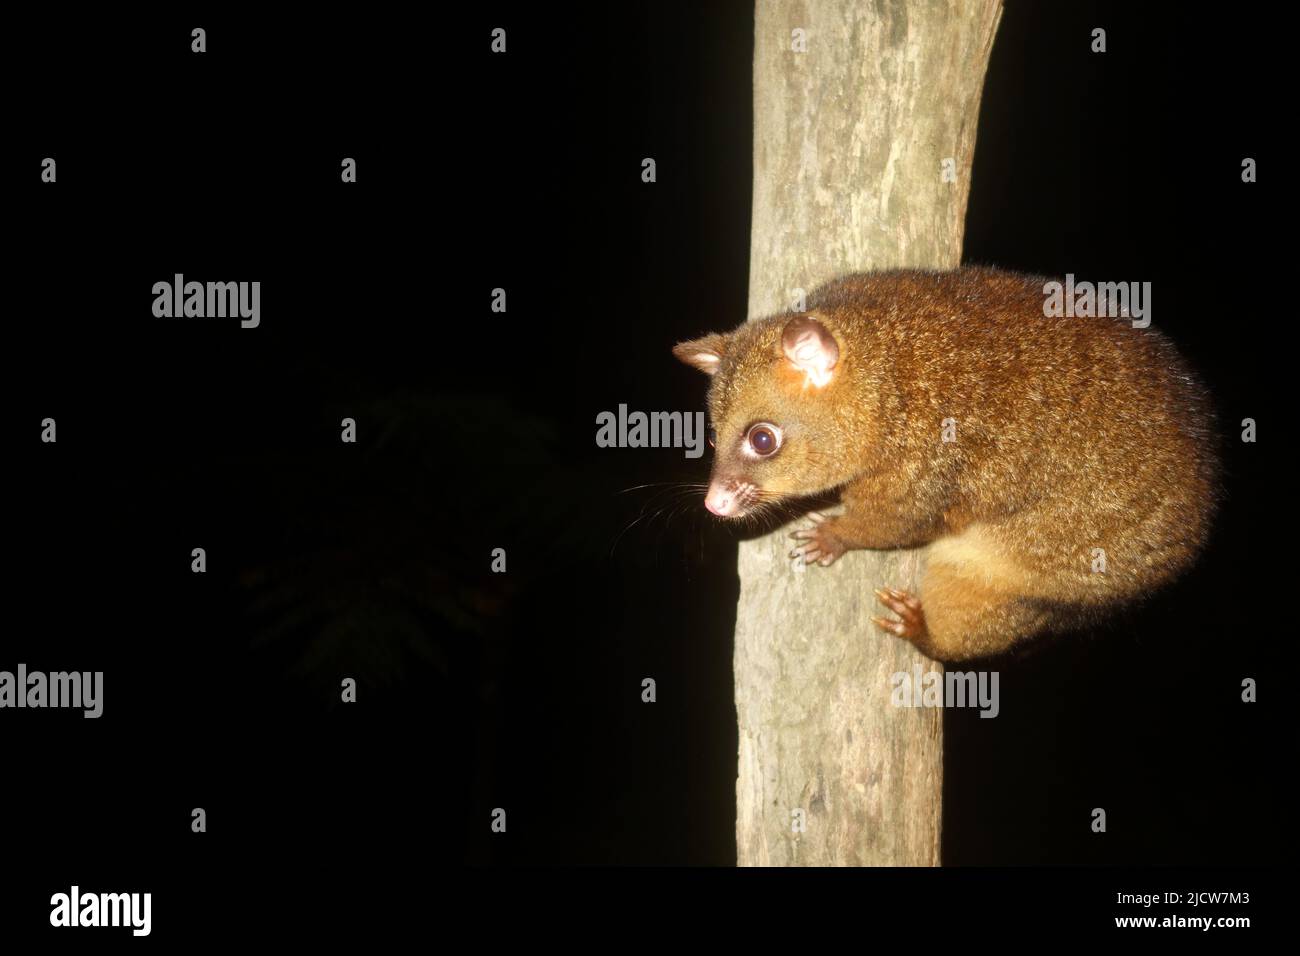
[730, 497]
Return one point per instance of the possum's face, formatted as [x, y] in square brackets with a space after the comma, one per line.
[773, 410]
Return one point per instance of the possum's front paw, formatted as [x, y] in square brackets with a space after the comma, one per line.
[822, 545]
[911, 619]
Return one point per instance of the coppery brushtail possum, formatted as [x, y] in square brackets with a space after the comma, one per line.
[1054, 467]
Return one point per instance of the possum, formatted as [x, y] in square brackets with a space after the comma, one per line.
[1052, 468]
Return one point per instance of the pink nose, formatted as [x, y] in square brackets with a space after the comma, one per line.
[726, 498]
[720, 501]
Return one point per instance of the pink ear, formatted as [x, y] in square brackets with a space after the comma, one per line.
[811, 349]
[704, 354]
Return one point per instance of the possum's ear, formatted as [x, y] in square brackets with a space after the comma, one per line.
[811, 349]
[704, 353]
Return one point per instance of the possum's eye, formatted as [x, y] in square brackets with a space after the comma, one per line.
[763, 439]
[713, 437]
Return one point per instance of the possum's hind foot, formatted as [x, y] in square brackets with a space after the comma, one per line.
[911, 619]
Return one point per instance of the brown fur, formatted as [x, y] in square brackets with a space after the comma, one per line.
[1072, 434]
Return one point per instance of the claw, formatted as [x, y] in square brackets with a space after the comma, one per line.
[816, 546]
[892, 601]
[893, 627]
[911, 622]
[913, 604]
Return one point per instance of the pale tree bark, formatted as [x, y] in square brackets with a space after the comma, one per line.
[850, 138]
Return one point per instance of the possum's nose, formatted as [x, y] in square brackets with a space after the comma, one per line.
[720, 501]
[726, 498]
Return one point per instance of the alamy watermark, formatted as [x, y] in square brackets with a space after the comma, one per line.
[212, 300]
[102, 909]
[626, 429]
[950, 689]
[74, 689]
[1126, 300]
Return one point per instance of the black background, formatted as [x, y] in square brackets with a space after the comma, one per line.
[371, 560]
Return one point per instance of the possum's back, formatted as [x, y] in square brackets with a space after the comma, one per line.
[1105, 419]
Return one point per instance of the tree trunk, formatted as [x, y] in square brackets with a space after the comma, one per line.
[850, 138]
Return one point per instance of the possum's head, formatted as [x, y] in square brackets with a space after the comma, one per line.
[780, 411]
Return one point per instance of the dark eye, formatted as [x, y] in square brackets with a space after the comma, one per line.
[764, 439]
[713, 437]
